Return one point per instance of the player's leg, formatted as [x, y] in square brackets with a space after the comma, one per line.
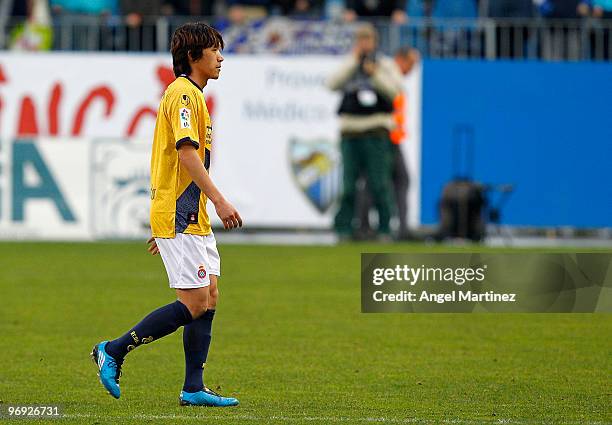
[196, 341]
[181, 258]
[109, 355]
[195, 299]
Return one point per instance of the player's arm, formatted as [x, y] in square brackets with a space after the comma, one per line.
[182, 114]
[189, 159]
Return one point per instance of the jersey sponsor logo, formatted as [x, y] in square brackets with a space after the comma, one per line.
[202, 272]
[316, 170]
[185, 115]
[185, 100]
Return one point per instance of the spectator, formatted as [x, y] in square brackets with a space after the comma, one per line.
[301, 8]
[12, 13]
[451, 39]
[394, 9]
[85, 7]
[189, 7]
[512, 41]
[562, 9]
[602, 9]
[240, 12]
[417, 8]
[35, 33]
[454, 9]
[405, 58]
[559, 40]
[140, 34]
[82, 16]
[510, 8]
[368, 82]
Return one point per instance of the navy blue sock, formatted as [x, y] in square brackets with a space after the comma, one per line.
[196, 341]
[156, 325]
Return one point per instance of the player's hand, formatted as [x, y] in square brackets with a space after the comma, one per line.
[228, 215]
[153, 249]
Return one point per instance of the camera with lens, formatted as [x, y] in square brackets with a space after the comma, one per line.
[367, 57]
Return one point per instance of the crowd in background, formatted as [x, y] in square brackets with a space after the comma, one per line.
[298, 26]
[398, 11]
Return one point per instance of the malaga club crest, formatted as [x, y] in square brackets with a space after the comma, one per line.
[121, 188]
[316, 169]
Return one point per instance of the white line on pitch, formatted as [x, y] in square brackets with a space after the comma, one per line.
[326, 419]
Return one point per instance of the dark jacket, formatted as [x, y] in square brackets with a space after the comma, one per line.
[375, 7]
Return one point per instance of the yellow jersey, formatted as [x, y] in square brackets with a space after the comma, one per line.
[177, 204]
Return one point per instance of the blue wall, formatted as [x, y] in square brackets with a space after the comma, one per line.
[545, 127]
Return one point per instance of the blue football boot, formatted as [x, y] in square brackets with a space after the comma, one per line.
[109, 369]
[206, 397]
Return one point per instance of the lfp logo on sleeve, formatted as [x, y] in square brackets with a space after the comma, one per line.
[185, 118]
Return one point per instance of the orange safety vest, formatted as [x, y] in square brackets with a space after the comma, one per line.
[399, 133]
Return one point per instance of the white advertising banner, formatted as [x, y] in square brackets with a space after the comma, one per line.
[45, 189]
[275, 139]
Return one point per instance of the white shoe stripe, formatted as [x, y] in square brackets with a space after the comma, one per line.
[101, 359]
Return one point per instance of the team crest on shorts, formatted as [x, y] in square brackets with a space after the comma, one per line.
[201, 272]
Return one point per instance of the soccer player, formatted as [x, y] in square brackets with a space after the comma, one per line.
[181, 232]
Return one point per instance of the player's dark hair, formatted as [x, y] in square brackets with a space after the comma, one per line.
[188, 41]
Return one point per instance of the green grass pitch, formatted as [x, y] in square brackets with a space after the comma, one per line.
[290, 342]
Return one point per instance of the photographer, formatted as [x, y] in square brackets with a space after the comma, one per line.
[368, 82]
